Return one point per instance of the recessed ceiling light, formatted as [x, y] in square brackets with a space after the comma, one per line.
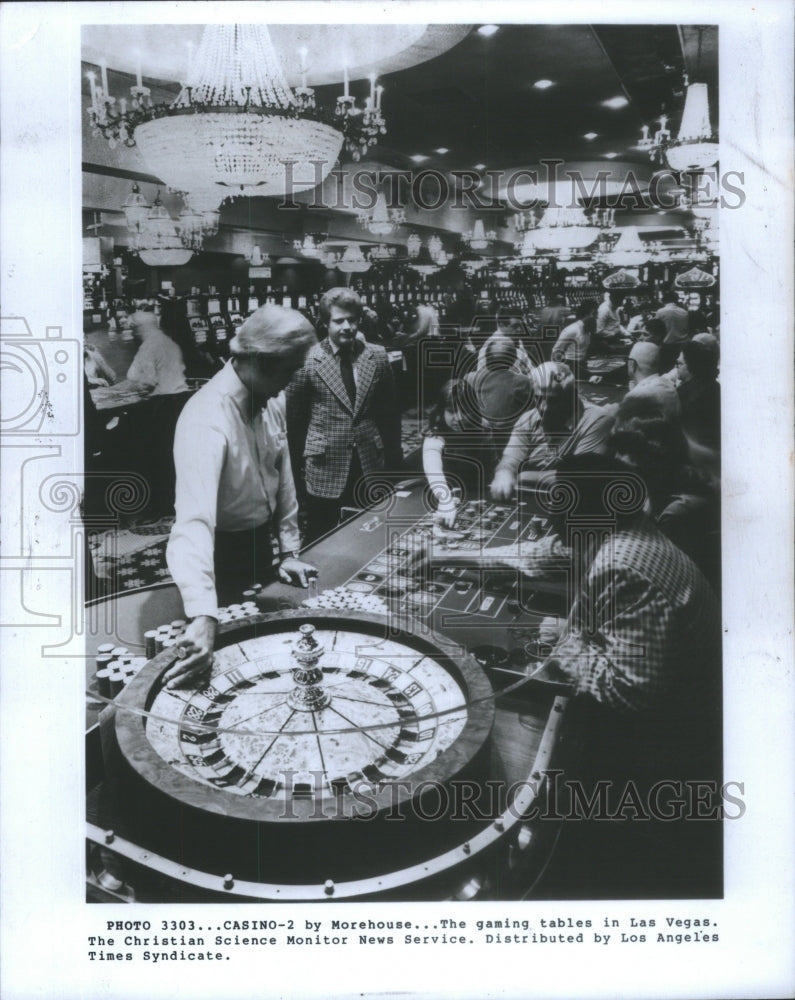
[442, 150]
[610, 156]
[616, 102]
[544, 84]
[418, 158]
[487, 30]
[591, 135]
[480, 166]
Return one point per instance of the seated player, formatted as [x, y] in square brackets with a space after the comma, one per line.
[158, 366]
[512, 327]
[560, 424]
[645, 380]
[98, 371]
[457, 450]
[683, 501]
[699, 393]
[641, 650]
[574, 342]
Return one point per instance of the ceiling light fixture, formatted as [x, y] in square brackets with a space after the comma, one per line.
[487, 30]
[478, 238]
[614, 103]
[590, 136]
[236, 127]
[544, 84]
[158, 242]
[696, 145]
[382, 221]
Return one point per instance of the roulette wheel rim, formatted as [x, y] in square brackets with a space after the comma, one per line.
[136, 699]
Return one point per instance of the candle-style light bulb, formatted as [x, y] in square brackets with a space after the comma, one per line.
[103, 66]
[378, 91]
[372, 88]
[346, 81]
[138, 77]
[92, 83]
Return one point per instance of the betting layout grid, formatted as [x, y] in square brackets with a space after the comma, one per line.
[479, 524]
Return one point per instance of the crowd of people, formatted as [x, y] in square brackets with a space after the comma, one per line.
[279, 444]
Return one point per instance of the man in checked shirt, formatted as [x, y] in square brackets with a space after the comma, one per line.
[641, 649]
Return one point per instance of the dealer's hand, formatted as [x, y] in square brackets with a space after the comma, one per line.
[292, 569]
[195, 651]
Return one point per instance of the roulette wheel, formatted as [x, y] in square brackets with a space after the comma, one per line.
[320, 758]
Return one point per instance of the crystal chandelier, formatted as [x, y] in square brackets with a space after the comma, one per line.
[436, 249]
[380, 252]
[157, 242]
[696, 145]
[478, 238]
[192, 227]
[307, 247]
[382, 221]
[629, 250]
[564, 229]
[424, 263]
[413, 246]
[353, 260]
[236, 127]
[136, 209]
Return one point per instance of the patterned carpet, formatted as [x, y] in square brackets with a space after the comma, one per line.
[135, 556]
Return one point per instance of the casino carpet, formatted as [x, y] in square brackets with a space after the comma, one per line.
[134, 556]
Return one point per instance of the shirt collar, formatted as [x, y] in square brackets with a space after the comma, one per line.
[357, 346]
[232, 387]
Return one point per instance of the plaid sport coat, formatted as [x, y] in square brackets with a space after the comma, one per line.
[323, 427]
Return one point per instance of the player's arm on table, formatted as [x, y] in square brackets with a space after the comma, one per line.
[620, 663]
[545, 557]
[525, 436]
[433, 466]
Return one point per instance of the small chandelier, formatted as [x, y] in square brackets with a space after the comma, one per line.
[254, 256]
[307, 247]
[382, 221]
[353, 260]
[424, 262]
[696, 146]
[381, 252]
[136, 209]
[629, 250]
[158, 243]
[236, 127]
[563, 229]
[191, 226]
[413, 246]
[436, 249]
[478, 238]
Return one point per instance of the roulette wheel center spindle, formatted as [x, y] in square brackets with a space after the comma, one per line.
[309, 694]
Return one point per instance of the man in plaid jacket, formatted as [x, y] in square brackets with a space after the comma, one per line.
[343, 421]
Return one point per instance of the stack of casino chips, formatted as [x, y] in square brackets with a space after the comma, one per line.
[344, 600]
[116, 666]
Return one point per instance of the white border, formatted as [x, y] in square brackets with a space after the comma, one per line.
[44, 921]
